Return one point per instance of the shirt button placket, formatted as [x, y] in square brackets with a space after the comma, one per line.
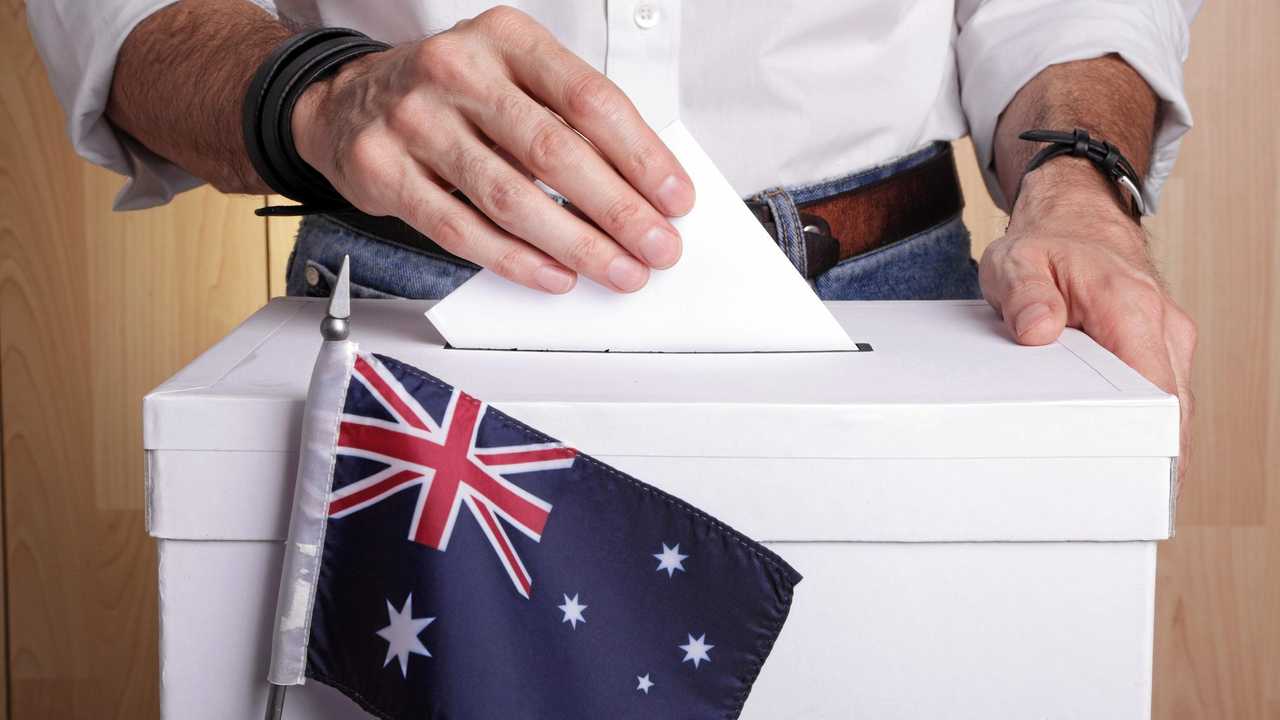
[643, 56]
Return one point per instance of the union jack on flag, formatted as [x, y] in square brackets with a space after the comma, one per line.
[441, 462]
[628, 602]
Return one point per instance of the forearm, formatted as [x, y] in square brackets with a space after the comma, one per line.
[1072, 255]
[1103, 96]
[179, 86]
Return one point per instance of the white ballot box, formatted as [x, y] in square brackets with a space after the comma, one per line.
[975, 521]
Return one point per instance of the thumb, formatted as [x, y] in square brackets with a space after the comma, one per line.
[1023, 290]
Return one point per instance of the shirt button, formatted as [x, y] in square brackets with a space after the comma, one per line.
[312, 275]
[647, 15]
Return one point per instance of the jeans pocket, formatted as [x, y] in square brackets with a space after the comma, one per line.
[378, 269]
[934, 264]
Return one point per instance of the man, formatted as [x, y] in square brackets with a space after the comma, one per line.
[831, 116]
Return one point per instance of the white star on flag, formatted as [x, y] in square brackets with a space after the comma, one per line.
[402, 634]
[645, 683]
[696, 650]
[573, 611]
[670, 559]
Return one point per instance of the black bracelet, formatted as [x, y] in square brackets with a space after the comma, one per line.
[268, 115]
[1104, 156]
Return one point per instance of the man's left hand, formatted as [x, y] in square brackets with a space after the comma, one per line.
[1073, 257]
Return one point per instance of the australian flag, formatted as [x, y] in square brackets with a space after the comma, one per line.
[474, 568]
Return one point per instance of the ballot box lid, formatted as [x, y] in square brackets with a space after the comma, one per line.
[939, 407]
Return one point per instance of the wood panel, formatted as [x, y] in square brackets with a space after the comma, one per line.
[1270, 628]
[1215, 242]
[280, 234]
[985, 221]
[1211, 608]
[95, 309]
[1216, 239]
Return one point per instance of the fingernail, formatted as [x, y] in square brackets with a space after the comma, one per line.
[554, 279]
[1029, 316]
[660, 247]
[676, 195]
[626, 274]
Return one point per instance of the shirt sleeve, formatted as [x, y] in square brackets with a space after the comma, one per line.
[78, 41]
[1003, 44]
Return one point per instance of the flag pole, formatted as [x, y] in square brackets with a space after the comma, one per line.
[335, 327]
[275, 701]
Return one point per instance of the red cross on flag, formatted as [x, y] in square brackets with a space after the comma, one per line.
[443, 463]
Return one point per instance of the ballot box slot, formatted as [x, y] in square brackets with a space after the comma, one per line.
[862, 347]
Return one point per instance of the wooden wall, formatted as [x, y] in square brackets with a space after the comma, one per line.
[96, 308]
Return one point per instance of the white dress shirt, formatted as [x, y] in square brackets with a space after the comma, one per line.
[779, 93]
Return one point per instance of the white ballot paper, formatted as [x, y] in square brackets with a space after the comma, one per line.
[733, 290]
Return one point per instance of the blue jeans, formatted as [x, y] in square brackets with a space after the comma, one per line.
[934, 264]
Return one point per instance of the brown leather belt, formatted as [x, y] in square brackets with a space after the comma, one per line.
[834, 228]
[874, 215]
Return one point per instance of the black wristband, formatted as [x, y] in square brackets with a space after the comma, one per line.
[1103, 155]
[268, 115]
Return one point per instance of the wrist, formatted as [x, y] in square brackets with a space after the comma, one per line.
[1073, 189]
[305, 121]
[318, 106]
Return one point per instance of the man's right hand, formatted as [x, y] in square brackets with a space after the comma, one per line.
[485, 107]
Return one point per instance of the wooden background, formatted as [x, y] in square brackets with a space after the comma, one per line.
[97, 308]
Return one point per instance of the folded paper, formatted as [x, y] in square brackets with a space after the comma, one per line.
[733, 290]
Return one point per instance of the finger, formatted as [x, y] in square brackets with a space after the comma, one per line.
[1138, 339]
[516, 205]
[560, 157]
[598, 109]
[1180, 340]
[1143, 349]
[1180, 366]
[466, 233]
[513, 161]
[1186, 405]
[1132, 326]
[1021, 287]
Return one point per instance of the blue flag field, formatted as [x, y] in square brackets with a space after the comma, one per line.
[472, 567]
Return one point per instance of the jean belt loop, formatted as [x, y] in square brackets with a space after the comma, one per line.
[790, 231]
